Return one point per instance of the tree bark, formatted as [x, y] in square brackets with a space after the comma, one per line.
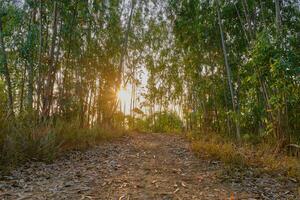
[47, 99]
[22, 90]
[278, 16]
[124, 48]
[40, 55]
[228, 70]
[242, 23]
[246, 13]
[6, 72]
[30, 68]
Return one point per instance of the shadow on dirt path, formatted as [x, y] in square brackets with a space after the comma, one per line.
[142, 166]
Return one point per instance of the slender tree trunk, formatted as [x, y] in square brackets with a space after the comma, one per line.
[22, 90]
[214, 99]
[47, 99]
[242, 23]
[30, 69]
[246, 13]
[90, 97]
[278, 16]
[228, 70]
[280, 130]
[40, 55]
[134, 101]
[6, 72]
[124, 48]
[261, 5]
[30, 87]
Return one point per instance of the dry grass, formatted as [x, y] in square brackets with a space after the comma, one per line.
[245, 155]
[44, 143]
[73, 138]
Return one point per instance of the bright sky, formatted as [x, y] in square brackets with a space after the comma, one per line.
[124, 94]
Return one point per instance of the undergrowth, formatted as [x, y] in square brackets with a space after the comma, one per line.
[26, 142]
[260, 156]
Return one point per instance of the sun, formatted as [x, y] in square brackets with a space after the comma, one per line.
[124, 95]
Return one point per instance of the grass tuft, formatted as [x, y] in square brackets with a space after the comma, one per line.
[25, 142]
[245, 155]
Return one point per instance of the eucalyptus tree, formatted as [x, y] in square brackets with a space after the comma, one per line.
[250, 33]
[229, 73]
[4, 9]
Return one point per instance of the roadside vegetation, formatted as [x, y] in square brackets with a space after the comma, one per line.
[27, 142]
[260, 156]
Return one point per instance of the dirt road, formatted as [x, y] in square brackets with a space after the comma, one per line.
[143, 166]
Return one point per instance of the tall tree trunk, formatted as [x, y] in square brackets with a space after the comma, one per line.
[261, 5]
[280, 130]
[278, 16]
[47, 99]
[242, 23]
[228, 70]
[248, 19]
[30, 87]
[30, 66]
[22, 90]
[125, 44]
[6, 72]
[40, 55]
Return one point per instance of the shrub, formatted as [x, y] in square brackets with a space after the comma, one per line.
[166, 122]
[225, 152]
[138, 124]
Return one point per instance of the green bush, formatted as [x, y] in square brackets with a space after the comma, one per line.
[166, 122]
[137, 124]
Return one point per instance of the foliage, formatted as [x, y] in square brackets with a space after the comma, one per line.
[138, 125]
[263, 56]
[279, 67]
[160, 122]
[165, 122]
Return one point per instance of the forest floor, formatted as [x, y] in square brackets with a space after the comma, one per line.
[141, 166]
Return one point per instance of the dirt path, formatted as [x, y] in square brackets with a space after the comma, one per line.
[151, 166]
